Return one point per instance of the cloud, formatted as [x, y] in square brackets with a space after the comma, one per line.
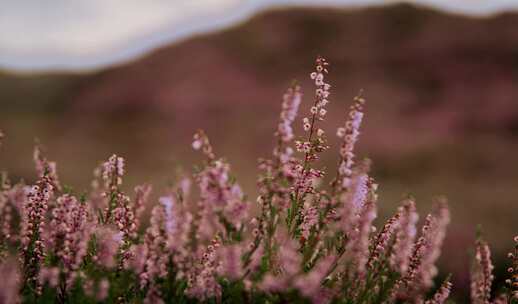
[90, 34]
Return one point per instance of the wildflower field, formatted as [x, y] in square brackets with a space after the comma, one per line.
[309, 236]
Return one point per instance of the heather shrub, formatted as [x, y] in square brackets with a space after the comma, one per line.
[308, 236]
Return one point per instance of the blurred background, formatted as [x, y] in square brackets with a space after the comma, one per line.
[137, 78]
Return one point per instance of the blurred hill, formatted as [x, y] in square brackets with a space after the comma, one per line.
[415, 62]
[442, 114]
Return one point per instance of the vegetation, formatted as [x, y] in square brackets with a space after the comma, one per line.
[309, 236]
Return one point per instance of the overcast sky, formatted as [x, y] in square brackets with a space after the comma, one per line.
[90, 34]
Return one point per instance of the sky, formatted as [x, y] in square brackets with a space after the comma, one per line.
[82, 35]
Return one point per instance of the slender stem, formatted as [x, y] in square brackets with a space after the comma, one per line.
[305, 170]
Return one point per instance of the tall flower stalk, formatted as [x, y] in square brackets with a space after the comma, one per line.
[313, 145]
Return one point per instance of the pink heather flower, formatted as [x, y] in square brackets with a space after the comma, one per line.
[286, 264]
[219, 195]
[305, 124]
[170, 218]
[9, 292]
[352, 200]
[442, 294]
[112, 172]
[110, 197]
[155, 241]
[290, 105]
[309, 220]
[201, 279]
[405, 236]
[381, 244]
[481, 274]
[142, 194]
[8, 209]
[196, 144]
[124, 217]
[231, 265]
[357, 249]
[340, 132]
[255, 259]
[359, 195]
[303, 146]
[179, 241]
[46, 168]
[279, 172]
[321, 91]
[441, 219]
[322, 112]
[68, 233]
[167, 236]
[306, 179]
[201, 142]
[213, 183]
[310, 284]
[421, 270]
[108, 241]
[349, 135]
[138, 254]
[313, 146]
[404, 287]
[32, 225]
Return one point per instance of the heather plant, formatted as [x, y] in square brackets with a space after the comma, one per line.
[308, 237]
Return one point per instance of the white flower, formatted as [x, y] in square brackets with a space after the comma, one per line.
[196, 145]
